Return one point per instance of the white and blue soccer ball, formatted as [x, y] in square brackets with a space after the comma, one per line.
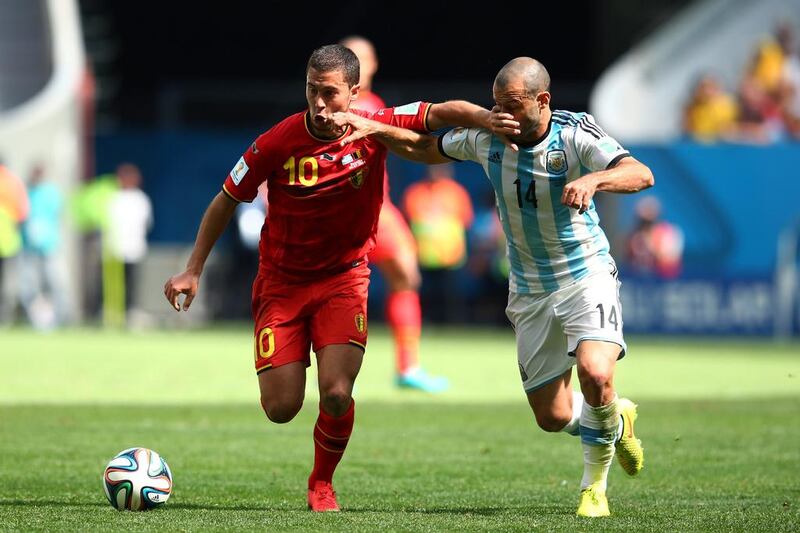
[137, 479]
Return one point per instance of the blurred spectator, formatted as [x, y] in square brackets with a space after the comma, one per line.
[766, 69]
[760, 117]
[767, 104]
[13, 211]
[655, 247]
[130, 219]
[711, 112]
[440, 211]
[790, 88]
[43, 290]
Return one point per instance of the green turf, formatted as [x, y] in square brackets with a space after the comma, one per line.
[720, 421]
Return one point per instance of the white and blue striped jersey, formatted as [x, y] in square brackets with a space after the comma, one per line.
[549, 245]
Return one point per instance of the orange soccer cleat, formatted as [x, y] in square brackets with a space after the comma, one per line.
[322, 498]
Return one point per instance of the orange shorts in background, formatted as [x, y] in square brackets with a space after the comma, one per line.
[394, 237]
[291, 318]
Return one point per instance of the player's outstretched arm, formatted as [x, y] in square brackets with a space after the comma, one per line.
[627, 176]
[406, 143]
[215, 219]
[468, 115]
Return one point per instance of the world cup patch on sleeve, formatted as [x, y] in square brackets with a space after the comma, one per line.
[408, 109]
[608, 145]
[239, 171]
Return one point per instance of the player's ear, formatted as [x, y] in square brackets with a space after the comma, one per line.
[543, 99]
[354, 90]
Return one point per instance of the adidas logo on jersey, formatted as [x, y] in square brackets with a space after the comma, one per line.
[495, 157]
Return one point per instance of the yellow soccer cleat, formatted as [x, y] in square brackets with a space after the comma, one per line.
[629, 451]
[593, 502]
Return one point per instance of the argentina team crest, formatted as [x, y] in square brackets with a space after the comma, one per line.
[361, 322]
[556, 162]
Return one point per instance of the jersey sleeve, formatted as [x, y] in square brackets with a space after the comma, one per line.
[412, 116]
[248, 173]
[596, 149]
[460, 144]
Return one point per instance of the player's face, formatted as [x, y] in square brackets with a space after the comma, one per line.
[526, 108]
[327, 93]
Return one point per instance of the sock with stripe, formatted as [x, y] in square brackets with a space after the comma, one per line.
[404, 316]
[598, 427]
[573, 426]
[331, 434]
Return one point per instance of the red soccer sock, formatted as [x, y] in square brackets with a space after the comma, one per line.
[331, 434]
[404, 316]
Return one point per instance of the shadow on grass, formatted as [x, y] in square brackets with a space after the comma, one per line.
[440, 511]
[50, 503]
[190, 506]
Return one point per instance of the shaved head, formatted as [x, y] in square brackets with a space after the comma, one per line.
[531, 73]
[522, 90]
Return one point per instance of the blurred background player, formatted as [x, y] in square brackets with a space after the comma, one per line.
[439, 210]
[130, 218]
[655, 246]
[395, 253]
[43, 289]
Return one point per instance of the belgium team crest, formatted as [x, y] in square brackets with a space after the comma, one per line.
[361, 322]
[357, 179]
[556, 162]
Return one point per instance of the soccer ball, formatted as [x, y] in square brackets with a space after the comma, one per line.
[137, 479]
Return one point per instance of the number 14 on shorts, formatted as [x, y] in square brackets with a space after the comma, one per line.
[612, 316]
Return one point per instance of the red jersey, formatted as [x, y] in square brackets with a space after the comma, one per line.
[324, 199]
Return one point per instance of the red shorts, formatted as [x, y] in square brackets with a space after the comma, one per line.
[291, 318]
[394, 236]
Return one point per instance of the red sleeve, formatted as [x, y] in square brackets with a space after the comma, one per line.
[249, 172]
[410, 116]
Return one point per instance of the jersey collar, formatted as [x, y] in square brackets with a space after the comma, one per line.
[544, 136]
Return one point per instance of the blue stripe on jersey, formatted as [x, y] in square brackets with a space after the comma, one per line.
[563, 217]
[495, 173]
[593, 225]
[530, 225]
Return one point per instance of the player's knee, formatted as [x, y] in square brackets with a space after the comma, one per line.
[595, 377]
[413, 279]
[402, 274]
[404, 281]
[552, 421]
[280, 412]
[335, 401]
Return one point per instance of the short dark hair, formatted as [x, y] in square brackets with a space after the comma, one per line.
[335, 57]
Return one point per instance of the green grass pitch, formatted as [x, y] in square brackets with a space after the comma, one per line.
[720, 421]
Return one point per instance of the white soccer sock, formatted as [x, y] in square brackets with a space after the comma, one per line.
[599, 426]
[573, 426]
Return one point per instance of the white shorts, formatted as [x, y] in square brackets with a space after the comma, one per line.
[550, 326]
